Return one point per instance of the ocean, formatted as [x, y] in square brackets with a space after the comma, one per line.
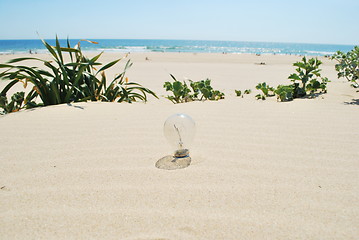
[192, 46]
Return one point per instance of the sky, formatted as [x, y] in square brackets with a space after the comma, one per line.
[299, 21]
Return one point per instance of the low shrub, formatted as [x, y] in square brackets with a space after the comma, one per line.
[180, 91]
[308, 78]
[201, 90]
[284, 93]
[348, 65]
[14, 105]
[267, 91]
[315, 85]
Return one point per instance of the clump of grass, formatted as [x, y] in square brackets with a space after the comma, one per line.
[64, 82]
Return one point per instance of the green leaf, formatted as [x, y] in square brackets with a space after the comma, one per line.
[70, 50]
[69, 47]
[108, 65]
[299, 64]
[95, 58]
[294, 77]
[55, 93]
[173, 77]
[23, 59]
[206, 93]
[168, 86]
[5, 66]
[58, 49]
[7, 87]
[50, 49]
[177, 86]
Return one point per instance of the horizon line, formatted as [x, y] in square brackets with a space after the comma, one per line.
[156, 39]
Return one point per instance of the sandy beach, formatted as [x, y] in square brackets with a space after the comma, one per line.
[260, 169]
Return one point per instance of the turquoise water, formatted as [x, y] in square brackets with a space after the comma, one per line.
[195, 46]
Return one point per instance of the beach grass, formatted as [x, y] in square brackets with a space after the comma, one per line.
[64, 82]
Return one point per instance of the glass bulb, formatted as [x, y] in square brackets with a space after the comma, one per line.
[179, 130]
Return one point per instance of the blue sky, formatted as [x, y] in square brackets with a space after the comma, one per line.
[302, 21]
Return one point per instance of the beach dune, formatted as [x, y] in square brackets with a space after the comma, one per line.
[260, 169]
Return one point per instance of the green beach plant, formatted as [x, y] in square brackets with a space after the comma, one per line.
[17, 101]
[314, 85]
[247, 91]
[74, 81]
[238, 93]
[348, 65]
[267, 91]
[203, 90]
[14, 105]
[284, 92]
[200, 90]
[120, 89]
[260, 96]
[180, 91]
[307, 78]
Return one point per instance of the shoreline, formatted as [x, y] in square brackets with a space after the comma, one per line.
[91, 52]
[190, 46]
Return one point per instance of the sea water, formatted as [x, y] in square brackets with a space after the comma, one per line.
[192, 46]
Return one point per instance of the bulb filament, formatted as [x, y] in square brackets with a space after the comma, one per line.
[179, 135]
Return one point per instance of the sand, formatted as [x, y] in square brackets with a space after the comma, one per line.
[260, 169]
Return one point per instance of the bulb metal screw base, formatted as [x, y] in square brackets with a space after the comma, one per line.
[180, 153]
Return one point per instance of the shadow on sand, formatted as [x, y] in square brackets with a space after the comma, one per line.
[353, 102]
[313, 95]
[70, 105]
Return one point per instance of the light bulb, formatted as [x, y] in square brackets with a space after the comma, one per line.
[179, 130]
